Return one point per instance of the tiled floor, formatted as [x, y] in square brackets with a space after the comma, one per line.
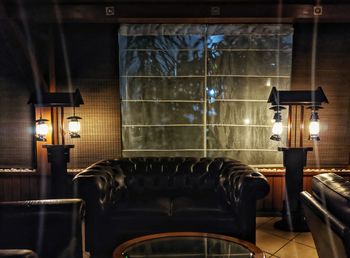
[281, 244]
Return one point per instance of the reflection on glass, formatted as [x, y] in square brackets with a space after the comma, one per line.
[187, 247]
[202, 88]
[246, 121]
[268, 82]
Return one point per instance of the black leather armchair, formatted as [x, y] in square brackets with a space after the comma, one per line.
[129, 197]
[51, 228]
[17, 253]
[327, 211]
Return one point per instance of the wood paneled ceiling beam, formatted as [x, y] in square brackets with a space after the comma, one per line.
[182, 13]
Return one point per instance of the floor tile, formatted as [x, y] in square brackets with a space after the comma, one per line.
[306, 239]
[296, 250]
[269, 228]
[268, 255]
[262, 220]
[268, 242]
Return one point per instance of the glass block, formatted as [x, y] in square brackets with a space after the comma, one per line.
[164, 88]
[271, 63]
[221, 62]
[249, 29]
[215, 42]
[239, 113]
[163, 153]
[242, 137]
[154, 29]
[160, 113]
[251, 157]
[264, 42]
[170, 62]
[163, 138]
[244, 88]
[286, 41]
[162, 42]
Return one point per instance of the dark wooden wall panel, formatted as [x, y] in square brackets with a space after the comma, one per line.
[91, 65]
[320, 55]
[20, 186]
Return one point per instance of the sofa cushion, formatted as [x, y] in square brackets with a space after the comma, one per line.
[143, 205]
[333, 192]
[208, 206]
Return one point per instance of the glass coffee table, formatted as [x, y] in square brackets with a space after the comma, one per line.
[187, 245]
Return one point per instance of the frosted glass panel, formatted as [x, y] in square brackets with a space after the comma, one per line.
[162, 138]
[201, 90]
[239, 112]
[164, 88]
[223, 62]
[243, 88]
[155, 113]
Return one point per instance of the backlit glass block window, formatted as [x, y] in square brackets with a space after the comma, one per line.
[201, 90]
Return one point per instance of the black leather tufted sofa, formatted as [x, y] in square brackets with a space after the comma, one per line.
[129, 197]
[50, 228]
[327, 211]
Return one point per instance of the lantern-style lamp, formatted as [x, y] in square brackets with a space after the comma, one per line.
[277, 127]
[314, 125]
[295, 157]
[41, 129]
[74, 125]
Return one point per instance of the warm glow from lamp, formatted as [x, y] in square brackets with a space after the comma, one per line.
[314, 127]
[74, 126]
[277, 128]
[41, 129]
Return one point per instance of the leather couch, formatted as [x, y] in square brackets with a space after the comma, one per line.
[17, 253]
[50, 228]
[327, 211]
[130, 197]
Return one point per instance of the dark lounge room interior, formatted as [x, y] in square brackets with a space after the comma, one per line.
[173, 128]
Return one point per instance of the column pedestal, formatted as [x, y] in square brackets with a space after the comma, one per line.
[293, 219]
[58, 156]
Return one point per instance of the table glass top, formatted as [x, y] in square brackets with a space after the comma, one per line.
[187, 247]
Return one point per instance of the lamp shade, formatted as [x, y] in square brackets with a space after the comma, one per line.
[314, 127]
[277, 128]
[41, 129]
[74, 126]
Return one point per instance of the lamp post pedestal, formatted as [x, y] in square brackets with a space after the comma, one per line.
[294, 160]
[58, 156]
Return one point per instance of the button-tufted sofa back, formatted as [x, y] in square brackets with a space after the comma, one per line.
[172, 175]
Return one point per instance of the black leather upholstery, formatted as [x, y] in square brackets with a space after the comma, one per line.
[17, 253]
[327, 212]
[51, 228]
[130, 197]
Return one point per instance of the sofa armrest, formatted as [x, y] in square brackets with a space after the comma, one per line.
[245, 184]
[51, 228]
[94, 187]
[17, 253]
[325, 228]
[243, 187]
